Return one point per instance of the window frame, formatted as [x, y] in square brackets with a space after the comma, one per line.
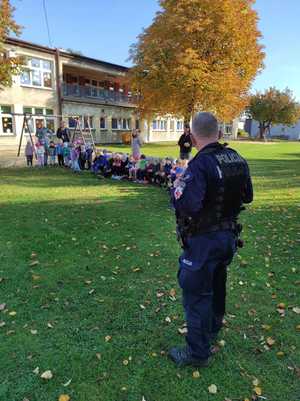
[179, 125]
[105, 123]
[46, 117]
[161, 125]
[10, 116]
[41, 70]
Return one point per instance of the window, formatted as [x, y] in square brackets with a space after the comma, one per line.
[154, 124]
[37, 73]
[72, 122]
[172, 125]
[179, 125]
[137, 124]
[6, 121]
[163, 125]
[159, 125]
[88, 122]
[228, 129]
[39, 115]
[114, 123]
[121, 123]
[126, 123]
[102, 123]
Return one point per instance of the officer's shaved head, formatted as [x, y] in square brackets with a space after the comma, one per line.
[205, 125]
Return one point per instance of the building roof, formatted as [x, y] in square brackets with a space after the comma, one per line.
[72, 56]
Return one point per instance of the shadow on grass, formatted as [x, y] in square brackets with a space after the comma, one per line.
[98, 262]
[278, 174]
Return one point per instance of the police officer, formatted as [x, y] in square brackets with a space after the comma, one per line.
[207, 199]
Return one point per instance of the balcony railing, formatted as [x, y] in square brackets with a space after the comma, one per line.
[103, 95]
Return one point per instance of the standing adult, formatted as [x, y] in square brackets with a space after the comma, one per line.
[136, 144]
[63, 132]
[207, 199]
[185, 143]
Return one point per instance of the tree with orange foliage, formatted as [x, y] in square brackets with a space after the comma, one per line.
[9, 66]
[197, 55]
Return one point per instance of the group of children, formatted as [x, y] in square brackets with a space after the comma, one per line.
[146, 170]
[118, 166]
[64, 154]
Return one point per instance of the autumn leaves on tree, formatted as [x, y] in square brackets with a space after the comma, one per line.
[9, 65]
[197, 55]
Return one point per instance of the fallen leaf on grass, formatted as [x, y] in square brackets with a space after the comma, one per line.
[12, 313]
[107, 338]
[296, 310]
[168, 319]
[36, 370]
[212, 389]
[182, 330]
[125, 362]
[33, 332]
[47, 375]
[64, 397]
[255, 382]
[2, 306]
[196, 374]
[258, 390]
[67, 383]
[34, 263]
[2, 323]
[98, 356]
[270, 341]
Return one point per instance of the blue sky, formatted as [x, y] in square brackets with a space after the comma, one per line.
[105, 29]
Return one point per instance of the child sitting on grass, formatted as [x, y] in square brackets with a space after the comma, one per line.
[141, 169]
[130, 168]
[117, 167]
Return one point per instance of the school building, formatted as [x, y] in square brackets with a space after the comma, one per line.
[56, 82]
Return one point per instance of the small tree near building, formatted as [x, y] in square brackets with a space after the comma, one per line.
[273, 107]
[198, 55]
[9, 63]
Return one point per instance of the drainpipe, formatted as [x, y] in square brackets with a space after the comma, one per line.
[58, 83]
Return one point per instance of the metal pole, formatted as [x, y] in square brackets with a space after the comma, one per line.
[21, 137]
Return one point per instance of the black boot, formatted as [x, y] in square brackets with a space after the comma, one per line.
[182, 356]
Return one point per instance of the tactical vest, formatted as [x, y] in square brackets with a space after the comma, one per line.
[224, 198]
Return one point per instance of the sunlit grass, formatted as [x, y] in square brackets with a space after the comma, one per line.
[89, 257]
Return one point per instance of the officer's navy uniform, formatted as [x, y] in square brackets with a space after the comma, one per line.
[208, 200]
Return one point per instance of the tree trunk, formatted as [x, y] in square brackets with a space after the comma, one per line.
[262, 131]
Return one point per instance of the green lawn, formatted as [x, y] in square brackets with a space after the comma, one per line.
[82, 263]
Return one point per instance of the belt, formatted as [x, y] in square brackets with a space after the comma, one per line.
[225, 225]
